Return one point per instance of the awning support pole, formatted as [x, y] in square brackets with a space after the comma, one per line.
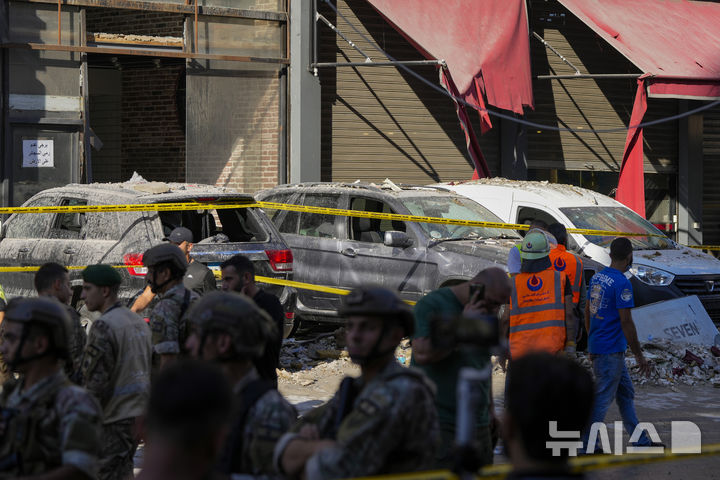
[588, 75]
[319, 16]
[377, 64]
[550, 47]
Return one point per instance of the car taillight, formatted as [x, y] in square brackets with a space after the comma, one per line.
[135, 264]
[280, 260]
[289, 315]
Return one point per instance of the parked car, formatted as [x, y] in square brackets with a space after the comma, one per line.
[662, 268]
[120, 238]
[411, 258]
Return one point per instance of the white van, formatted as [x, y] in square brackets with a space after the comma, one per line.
[662, 268]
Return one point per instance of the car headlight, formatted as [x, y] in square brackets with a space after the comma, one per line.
[652, 276]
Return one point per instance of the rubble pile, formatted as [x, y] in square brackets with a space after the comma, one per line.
[304, 361]
[674, 363]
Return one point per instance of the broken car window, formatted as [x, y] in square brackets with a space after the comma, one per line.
[372, 229]
[31, 225]
[617, 219]
[319, 224]
[456, 208]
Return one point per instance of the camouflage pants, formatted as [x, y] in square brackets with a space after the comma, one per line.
[118, 449]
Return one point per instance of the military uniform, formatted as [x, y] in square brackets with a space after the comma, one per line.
[77, 341]
[116, 369]
[261, 416]
[52, 424]
[169, 320]
[391, 428]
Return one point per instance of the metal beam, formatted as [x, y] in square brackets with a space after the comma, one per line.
[171, 8]
[377, 64]
[587, 75]
[319, 16]
[144, 53]
[547, 45]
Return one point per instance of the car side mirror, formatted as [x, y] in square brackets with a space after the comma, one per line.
[394, 238]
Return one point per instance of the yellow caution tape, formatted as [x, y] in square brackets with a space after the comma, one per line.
[137, 207]
[308, 286]
[261, 279]
[578, 464]
[161, 207]
[715, 248]
[445, 221]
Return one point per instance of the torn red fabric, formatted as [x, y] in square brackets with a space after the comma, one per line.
[485, 45]
[631, 185]
[678, 41]
[471, 141]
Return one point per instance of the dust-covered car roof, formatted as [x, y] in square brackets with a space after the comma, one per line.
[151, 192]
[386, 188]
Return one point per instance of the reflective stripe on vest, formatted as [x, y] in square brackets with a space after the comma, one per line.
[561, 259]
[537, 313]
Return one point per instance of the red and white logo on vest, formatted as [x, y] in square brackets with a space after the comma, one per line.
[534, 283]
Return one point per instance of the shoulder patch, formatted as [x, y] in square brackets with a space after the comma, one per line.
[367, 407]
[626, 295]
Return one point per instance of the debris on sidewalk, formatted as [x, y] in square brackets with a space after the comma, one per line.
[673, 363]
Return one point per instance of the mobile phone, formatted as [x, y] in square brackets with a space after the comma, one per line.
[478, 288]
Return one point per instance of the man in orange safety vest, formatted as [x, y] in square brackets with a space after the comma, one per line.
[541, 303]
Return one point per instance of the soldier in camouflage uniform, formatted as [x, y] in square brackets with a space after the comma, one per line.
[166, 265]
[383, 422]
[116, 368]
[230, 330]
[48, 425]
[52, 280]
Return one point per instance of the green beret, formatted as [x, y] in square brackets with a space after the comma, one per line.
[101, 275]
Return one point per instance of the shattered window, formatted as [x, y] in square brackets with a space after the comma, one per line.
[459, 208]
[216, 226]
[319, 224]
[31, 225]
[69, 225]
[372, 229]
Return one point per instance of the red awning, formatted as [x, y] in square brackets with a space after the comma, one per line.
[677, 42]
[485, 45]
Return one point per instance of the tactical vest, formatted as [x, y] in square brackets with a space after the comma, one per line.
[537, 313]
[31, 444]
[130, 379]
[571, 265]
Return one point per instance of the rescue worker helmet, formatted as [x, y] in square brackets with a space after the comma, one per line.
[535, 245]
[249, 326]
[379, 302]
[46, 312]
[165, 252]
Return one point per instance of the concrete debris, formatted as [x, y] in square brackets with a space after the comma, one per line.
[303, 362]
[673, 363]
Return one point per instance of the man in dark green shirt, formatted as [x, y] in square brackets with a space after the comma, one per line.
[443, 366]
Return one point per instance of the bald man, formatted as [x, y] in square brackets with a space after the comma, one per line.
[484, 294]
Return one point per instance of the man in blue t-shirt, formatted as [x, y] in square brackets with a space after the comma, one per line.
[610, 329]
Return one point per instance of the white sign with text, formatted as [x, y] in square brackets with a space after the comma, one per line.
[681, 319]
[38, 153]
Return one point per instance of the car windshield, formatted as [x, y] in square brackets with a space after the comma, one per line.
[457, 208]
[617, 219]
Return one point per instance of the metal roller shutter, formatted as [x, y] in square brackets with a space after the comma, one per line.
[381, 122]
[588, 103]
[711, 177]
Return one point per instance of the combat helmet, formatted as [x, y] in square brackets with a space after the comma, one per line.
[165, 252]
[379, 302]
[42, 311]
[236, 314]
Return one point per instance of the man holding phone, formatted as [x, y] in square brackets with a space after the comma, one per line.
[482, 295]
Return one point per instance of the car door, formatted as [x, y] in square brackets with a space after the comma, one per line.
[366, 260]
[314, 241]
[19, 245]
[63, 241]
